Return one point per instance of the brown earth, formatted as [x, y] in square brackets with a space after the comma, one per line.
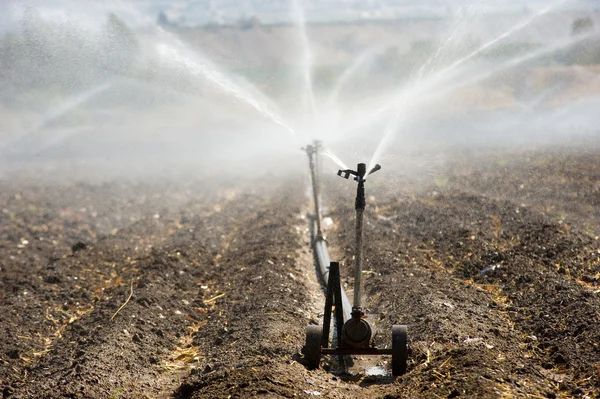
[203, 289]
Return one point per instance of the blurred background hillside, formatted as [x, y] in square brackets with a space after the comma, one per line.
[135, 67]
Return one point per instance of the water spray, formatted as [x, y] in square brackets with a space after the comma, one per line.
[354, 332]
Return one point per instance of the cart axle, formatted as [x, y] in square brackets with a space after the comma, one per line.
[356, 351]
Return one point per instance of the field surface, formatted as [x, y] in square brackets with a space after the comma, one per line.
[202, 288]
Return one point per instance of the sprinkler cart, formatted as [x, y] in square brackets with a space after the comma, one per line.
[353, 331]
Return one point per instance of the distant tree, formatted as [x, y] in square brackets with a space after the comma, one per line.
[250, 23]
[33, 27]
[119, 32]
[48, 58]
[121, 46]
[390, 62]
[11, 49]
[422, 47]
[163, 19]
[509, 50]
[586, 51]
[581, 26]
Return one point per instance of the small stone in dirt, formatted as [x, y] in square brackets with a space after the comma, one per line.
[559, 359]
[137, 338]
[370, 379]
[312, 393]
[158, 332]
[547, 366]
[12, 354]
[531, 338]
[489, 270]
[143, 301]
[52, 279]
[78, 246]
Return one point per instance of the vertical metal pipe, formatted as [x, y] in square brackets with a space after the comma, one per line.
[334, 269]
[324, 262]
[315, 186]
[317, 145]
[329, 301]
[359, 205]
[358, 258]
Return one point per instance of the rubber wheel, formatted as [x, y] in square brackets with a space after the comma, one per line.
[399, 349]
[312, 348]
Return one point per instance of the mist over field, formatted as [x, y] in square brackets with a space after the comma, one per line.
[130, 83]
[163, 233]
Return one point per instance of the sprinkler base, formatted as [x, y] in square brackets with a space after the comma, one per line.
[355, 334]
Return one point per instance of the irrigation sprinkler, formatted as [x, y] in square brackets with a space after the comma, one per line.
[313, 159]
[353, 330]
[319, 243]
[360, 204]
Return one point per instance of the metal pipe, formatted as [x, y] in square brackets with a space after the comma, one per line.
[313, 170]
[358, 259]
[313, 152]
[318, 240]
[317, 186]
[356, 351]
[323, 260]
[360, 204]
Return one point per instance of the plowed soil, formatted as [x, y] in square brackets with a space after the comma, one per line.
[203, 289]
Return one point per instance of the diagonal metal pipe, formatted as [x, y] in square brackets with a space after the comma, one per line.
[319, 242]
[323, 260]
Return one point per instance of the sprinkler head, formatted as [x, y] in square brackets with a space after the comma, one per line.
[359, 174]
[313, 149]
[309, 149]
[375, 169]
[361, 171]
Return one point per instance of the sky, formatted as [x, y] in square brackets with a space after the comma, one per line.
[200, 12]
